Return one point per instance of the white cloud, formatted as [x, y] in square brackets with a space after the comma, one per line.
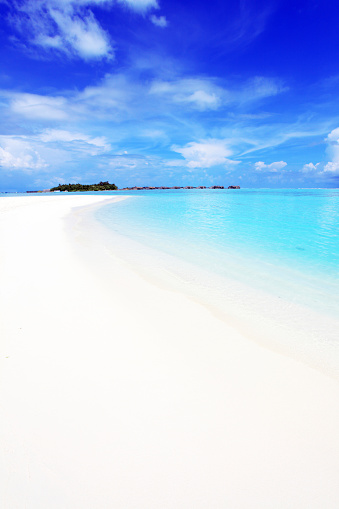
[203, 99]
[333, 137]
[310, 168]
[81, 35]
[113, 98]
[333, 145]
[331, 168]
[272, 168]
[67, 26]
[205, 154]
[202, 94]
[48, 41]
[140, 5]
[18, 154]
[114, 93]
[55, 146]
[159, 21]
[35, 106]
[80, 141]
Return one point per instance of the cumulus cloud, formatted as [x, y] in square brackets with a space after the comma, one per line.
[18, 154]
[271, 168]
[333, 137]
[204, 154]
[333, 145]
[159, 21]
[49, 148]
[331, 168]
[310, 168]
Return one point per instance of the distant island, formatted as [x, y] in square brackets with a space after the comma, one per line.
[106, 186]
[72, 188]
[136, 188]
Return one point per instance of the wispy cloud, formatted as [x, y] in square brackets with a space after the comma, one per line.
[70, 26]
[35, 106]
[140, 5]
[199, 93]
[206, 93]
[159, 21]
[76, 141]
[81, 35]
[65, 26]
[243, 28]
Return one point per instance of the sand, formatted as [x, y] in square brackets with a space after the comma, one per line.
[117, 393]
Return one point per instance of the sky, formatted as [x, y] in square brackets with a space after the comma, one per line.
[169, 92]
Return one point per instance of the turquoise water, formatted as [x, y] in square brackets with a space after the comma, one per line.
[265, 260]
[268, 257]
[296, 231]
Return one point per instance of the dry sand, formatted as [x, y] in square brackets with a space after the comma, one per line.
[116, 393]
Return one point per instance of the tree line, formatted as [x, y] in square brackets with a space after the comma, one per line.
[102, 186]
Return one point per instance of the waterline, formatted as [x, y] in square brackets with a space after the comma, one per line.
[262, 257]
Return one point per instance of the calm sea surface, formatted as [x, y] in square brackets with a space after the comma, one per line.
[256, 236]
[281, 246]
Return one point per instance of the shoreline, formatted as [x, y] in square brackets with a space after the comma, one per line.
[278, 323]
[117, 392]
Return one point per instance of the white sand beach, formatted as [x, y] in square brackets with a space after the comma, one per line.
[117, 393]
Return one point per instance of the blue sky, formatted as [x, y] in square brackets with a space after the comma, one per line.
[167, 92]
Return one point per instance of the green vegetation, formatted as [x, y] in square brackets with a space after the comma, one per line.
[102, 186]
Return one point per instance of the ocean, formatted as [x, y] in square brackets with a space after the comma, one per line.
[265, 260]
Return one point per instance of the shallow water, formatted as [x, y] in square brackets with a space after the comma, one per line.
[251, 235]
[269, 253]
